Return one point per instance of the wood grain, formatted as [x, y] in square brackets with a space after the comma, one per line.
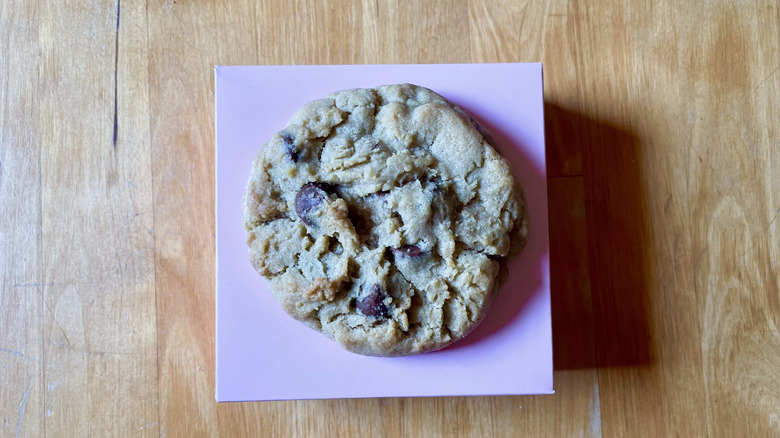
[98, 271]
[664, 189]
[21, 303]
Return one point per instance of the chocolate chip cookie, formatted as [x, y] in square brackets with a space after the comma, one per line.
[384, 218]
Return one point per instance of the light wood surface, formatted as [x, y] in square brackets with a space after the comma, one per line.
[664, 187]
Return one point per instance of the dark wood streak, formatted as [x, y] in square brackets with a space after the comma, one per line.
[116, 72]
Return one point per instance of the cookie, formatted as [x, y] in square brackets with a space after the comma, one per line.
[384, 218]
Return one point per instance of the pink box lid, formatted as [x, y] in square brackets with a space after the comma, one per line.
[263, 354]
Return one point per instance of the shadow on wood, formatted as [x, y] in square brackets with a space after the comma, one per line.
[598, 245]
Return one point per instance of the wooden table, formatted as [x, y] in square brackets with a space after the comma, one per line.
[664, 181]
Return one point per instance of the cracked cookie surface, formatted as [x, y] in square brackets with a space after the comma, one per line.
[383, 218]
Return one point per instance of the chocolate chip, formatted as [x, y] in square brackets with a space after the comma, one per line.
[375, 146]
[327, 187]
[408, 251]
[308, 198]
[288, 144]
[373, 304]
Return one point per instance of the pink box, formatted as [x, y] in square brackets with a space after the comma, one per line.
[263, 354]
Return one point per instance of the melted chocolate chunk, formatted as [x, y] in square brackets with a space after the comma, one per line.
[408, 251]
[373, 304]
[308, 198]
[288, 144]
[326, 187]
